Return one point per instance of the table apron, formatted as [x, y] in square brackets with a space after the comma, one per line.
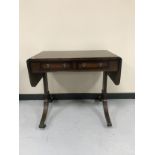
[41, 67]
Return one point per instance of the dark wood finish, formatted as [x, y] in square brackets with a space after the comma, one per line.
[47, 97]
[42, 67]
[76, 55]
[34, 78]
[46, 101]
[104, 100]
[52, 61]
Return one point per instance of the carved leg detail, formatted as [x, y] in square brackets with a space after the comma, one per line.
[104, 97]
[106, 113]
[43, 118]
[46, 101]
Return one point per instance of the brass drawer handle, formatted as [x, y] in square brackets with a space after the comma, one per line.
[45, 66]
[83, 65]
[64, 65]
[100, 64]
[48, 66]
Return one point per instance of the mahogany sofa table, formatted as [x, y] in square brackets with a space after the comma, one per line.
[94, 60]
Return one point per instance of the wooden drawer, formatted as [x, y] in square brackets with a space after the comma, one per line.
[105, 65]
[37, 67]
[92, 65]
[47, 67]
[55, 66]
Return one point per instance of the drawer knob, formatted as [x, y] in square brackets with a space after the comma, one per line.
[47, 65]
[83, 65]
[100, 64]
[64, 65]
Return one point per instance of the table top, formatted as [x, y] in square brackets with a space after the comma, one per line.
[75, 57]
[74, 54]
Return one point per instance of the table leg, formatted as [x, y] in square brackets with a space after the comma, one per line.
[46, 101]
[104, 99]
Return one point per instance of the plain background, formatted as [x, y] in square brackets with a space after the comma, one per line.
[77, 25]
[145, 48]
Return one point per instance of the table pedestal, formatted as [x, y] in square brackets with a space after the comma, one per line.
[48, 97]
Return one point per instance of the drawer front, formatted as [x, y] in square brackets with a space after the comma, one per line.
[55, 66]
[47, 67]
[106, 65]
[93, 65]
[37, 67]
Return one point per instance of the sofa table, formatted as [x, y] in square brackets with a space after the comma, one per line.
[92, 60]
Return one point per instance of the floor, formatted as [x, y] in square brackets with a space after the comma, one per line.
[77, 127]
